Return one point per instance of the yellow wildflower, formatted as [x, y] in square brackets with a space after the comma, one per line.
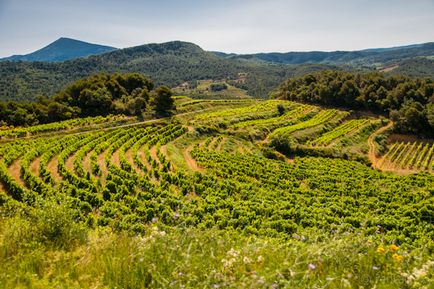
[393, 248]
[381, 250]
[397, 257]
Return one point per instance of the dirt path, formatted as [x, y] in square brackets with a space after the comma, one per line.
[86, 163]
[115, 159]
[69, 164]
[130, 159]
[102, 166]
[15, 171]
[52, 168]
[371, 143]
[34, 166]
[191, 163]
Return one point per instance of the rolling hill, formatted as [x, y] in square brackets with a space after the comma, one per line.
[371, 57]
[168, 63]
[62, 49]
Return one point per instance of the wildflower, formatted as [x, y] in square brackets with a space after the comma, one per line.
[393, 248]
[260, 259]
[330, 279]
[381, 250]
[232, 252]
[247, 260]
[311, 266]
[397, 257]
[375, 268]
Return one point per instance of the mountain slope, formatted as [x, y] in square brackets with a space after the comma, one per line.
[62, 49]
[370, 57]
[168, 63]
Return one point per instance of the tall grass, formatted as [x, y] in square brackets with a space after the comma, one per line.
[193, 258]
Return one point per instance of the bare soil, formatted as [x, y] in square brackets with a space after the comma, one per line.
[15, 172]
[191, 163]
[52, 168]
[34, 166]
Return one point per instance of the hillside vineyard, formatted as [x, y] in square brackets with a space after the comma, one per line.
[271, 169]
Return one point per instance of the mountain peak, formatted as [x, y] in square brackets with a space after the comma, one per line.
[62, 49]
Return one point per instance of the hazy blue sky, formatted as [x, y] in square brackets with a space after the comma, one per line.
[241, 26]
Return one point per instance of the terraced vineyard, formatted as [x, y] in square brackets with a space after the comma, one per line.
[409, 156]
[205, 169]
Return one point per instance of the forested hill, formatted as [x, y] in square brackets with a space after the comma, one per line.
[169, 63]
[369, 57]
[409, 102]
[62, 49]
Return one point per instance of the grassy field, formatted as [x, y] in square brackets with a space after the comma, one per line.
[224, 194]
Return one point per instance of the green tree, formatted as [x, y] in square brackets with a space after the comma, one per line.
[163, 100]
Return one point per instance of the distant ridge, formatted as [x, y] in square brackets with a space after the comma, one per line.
[369, 57]
[62, 49]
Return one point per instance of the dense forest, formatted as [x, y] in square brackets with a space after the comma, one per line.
[409, 102]
[100, 94]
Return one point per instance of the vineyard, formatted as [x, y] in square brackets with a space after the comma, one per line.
[409, 157]
[223, 165]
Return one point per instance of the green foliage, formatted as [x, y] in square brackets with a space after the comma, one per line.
[163, 100]
[218, 86]
[158, 204]
[98, 95]
[407, 101]
[169, 64]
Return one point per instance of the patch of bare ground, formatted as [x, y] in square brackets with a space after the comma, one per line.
[389, 68]
[15, 172]
[2, 188]
[115, 159]
[102, 166]
[69, 164]
[52, 168]
[130, 159]
[34, 166]
[191, 163]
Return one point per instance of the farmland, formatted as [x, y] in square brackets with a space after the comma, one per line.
[266, 193]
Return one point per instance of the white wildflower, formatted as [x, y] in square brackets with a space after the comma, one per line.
[247, 260]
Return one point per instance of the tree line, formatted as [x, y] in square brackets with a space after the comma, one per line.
[409, 102]
[97, 95]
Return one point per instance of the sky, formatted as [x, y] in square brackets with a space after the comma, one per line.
[239, 26]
